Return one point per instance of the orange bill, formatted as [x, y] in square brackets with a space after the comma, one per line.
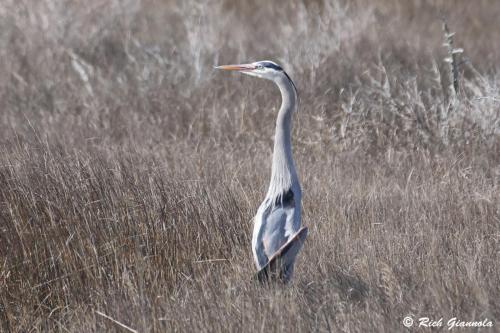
[242, 67]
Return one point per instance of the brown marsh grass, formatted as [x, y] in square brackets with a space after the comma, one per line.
[130, 170]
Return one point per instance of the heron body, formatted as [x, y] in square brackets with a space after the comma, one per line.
[277, 223]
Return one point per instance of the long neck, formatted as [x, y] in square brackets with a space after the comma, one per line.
[283, 174]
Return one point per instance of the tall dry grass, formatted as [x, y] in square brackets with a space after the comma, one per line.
[130, 170]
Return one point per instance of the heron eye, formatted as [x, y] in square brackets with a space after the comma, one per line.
[260, 67]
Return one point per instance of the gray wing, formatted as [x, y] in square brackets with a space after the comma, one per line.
[281, 222]
[280, 265]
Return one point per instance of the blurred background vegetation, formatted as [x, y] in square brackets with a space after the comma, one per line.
[128, 164]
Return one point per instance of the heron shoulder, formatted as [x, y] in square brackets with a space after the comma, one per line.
[286, 198]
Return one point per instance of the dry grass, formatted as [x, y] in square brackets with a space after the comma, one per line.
[130, 170]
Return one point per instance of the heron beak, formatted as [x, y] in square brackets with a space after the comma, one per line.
[241, 68]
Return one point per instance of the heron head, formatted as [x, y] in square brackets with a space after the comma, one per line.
[264, 69]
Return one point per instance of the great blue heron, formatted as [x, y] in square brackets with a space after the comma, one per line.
[277, 234]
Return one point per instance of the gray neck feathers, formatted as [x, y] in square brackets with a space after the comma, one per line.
[283, 174]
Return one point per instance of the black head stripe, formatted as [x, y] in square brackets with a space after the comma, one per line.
[271, 65]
